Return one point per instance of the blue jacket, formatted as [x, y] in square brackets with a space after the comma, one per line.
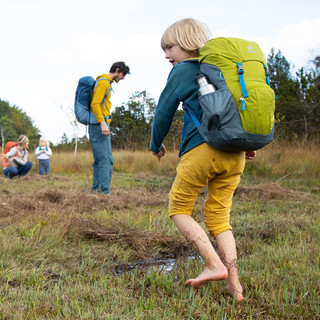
[180, 87]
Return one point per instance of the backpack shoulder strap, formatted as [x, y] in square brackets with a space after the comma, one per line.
[17, 153]
[17, 150]
[109, 88]
[189, 115]
[194, 119]
[95, 86]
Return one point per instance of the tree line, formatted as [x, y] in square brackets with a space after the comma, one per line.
[298, 99]
[297, 114]
[13, 122]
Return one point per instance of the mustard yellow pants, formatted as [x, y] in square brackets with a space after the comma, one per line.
[206, 166]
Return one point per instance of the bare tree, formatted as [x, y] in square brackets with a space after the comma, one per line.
[74, 124]
[6, 130]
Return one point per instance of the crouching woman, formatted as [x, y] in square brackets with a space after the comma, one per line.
[15, 161]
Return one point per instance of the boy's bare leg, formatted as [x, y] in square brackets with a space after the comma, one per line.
[194, 233]
[228, 253]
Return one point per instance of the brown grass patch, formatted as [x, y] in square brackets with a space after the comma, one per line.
[145, 244]
[270, 191]
[14, 205]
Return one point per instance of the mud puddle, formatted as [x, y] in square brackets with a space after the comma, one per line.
[162, 265]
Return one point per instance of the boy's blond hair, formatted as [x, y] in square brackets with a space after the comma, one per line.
[190, 34]
[45, 140]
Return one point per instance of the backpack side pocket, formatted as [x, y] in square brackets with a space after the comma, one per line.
[218, 110]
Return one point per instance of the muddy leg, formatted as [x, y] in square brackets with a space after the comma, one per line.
[194, 233]
[228, 253]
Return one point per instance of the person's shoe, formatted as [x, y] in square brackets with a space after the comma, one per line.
[105, 193]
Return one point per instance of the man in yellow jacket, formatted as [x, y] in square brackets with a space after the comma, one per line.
[100, 133]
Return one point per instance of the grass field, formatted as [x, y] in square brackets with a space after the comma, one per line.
[68, 254]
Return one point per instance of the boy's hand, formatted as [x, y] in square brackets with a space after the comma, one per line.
[250, 155]
[161, 153]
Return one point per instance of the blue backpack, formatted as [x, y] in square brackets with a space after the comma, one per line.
[82, 103]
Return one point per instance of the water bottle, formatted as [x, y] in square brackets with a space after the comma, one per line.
[204, 86]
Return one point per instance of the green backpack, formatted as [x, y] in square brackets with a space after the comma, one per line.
[239, 115]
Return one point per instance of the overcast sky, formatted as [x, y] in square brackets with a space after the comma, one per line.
[47, 45]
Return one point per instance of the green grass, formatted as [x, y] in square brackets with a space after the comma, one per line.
[51, 269]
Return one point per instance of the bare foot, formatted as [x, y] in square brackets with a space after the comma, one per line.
[235, 292]
[207, 276]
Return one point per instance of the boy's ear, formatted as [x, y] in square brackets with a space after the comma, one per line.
[117, 70]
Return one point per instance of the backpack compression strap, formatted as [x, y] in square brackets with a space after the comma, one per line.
[242, 85]
[267, 75]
